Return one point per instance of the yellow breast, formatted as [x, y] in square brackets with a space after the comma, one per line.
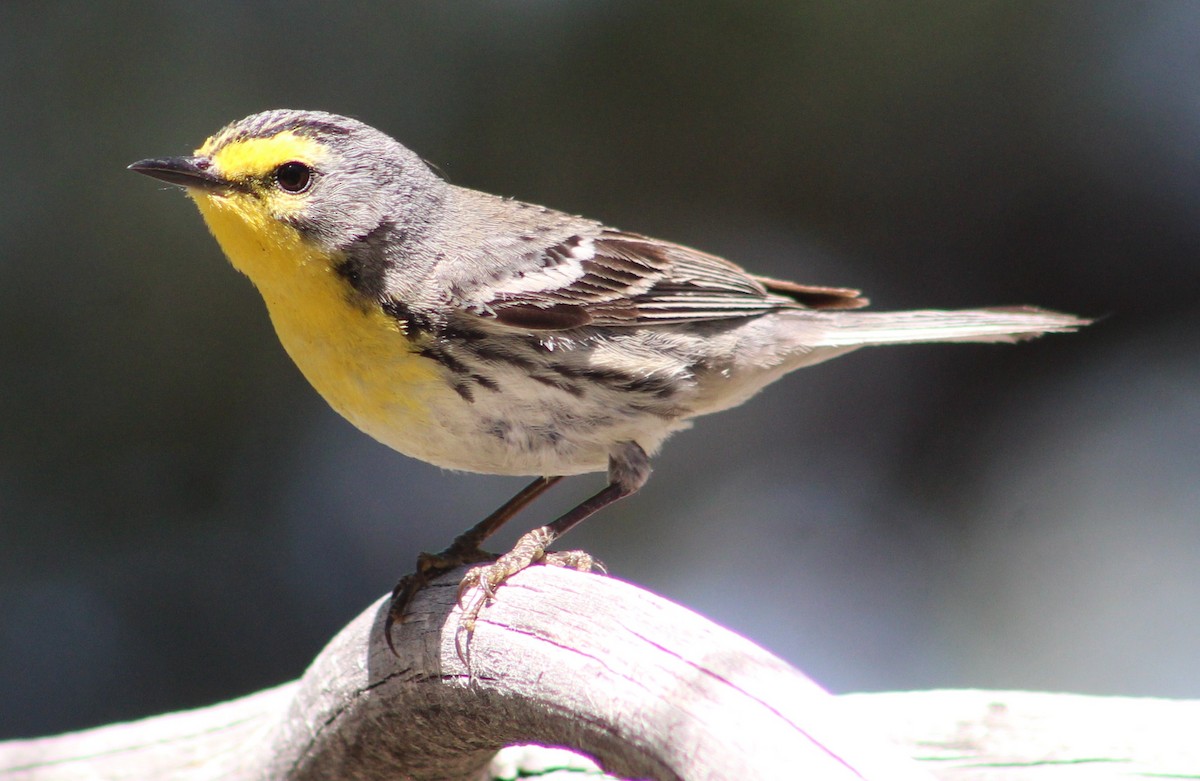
[356, 356]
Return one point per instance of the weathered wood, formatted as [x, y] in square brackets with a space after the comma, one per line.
[648, 688]
[1011, 735]
[561, 658]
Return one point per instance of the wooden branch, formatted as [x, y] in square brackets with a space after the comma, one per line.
[646, 687]
[1010, 735]
[561, 658]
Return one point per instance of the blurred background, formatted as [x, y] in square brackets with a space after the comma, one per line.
[182, 520]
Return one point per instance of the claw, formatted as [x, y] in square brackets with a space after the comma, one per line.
[430, 567]
[479, 586]
[482, 583]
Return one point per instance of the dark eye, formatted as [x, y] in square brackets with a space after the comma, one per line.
[293, 177]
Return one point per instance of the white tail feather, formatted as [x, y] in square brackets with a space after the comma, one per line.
[1008, 324]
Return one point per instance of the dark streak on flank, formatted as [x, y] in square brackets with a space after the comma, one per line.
[557, 382]
[414, 322]
[437, 352]
[567, 377]
[465, 379]
[485, 382]
[494, 353]
[650, 384]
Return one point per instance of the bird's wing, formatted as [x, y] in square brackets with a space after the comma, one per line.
[611, 278]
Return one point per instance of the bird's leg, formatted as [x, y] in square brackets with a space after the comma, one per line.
[466, 545]
[628, 469]
[464, 550]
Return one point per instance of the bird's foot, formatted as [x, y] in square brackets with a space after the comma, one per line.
[430, 567]
[480, 583]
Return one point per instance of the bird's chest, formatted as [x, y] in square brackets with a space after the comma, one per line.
[363, 365]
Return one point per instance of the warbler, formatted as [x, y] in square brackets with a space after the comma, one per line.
[484, 334]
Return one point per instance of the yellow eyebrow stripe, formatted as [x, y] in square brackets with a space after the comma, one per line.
[256, 156]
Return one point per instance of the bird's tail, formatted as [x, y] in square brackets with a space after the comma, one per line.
[999, 324]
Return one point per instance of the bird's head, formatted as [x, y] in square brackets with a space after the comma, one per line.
[286, 186]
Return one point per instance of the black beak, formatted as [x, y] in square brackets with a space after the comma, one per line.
[191, 172]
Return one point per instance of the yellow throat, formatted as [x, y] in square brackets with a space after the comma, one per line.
[356, 356]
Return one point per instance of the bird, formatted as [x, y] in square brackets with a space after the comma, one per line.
[484, 334]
